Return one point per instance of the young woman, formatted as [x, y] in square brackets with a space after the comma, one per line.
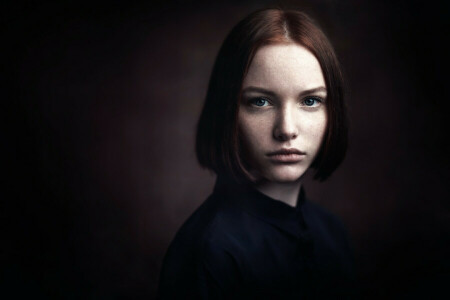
[274, 109]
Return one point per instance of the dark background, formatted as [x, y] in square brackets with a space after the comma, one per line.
[99, 108]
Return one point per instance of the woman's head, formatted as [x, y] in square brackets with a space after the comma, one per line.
[240, 127]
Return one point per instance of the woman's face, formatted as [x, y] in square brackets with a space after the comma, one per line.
[282, 115]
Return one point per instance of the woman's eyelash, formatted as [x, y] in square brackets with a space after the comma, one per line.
[307, 100]
[259, 101]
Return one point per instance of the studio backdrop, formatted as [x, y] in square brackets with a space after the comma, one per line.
[100, 104]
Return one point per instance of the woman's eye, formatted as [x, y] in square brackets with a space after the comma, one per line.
[259, 102]
[312, 101]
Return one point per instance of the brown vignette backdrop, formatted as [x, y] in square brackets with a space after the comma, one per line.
[99, 107]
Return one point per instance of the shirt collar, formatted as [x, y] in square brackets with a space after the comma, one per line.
[277, 213]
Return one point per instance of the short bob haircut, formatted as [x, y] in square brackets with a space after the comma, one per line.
[217, 145]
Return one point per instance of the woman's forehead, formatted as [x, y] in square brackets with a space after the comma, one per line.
[284, 67]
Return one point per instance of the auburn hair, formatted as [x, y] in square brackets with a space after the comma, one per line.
[217, 141]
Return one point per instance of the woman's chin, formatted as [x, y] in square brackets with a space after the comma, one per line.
[286, 174]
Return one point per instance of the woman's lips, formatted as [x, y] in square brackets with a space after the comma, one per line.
[286, 156]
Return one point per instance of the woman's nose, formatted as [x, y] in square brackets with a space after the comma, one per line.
[285, 126]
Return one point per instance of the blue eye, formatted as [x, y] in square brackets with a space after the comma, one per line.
[259, 102]
[312, 101]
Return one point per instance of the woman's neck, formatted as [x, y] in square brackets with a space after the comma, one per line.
[284, 192]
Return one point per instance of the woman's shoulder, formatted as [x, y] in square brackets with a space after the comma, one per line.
[200, 244]
[215, 224]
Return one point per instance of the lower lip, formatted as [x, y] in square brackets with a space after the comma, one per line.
[287, 158]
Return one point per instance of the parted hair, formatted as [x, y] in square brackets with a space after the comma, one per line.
[217, 141]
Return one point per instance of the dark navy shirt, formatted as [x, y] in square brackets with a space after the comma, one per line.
[241, 243]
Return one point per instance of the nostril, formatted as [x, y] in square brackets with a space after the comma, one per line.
[285, 135]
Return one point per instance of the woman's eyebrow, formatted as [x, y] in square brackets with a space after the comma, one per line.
[255, 89]
[314, 90]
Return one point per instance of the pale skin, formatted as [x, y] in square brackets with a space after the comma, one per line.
[282, 107]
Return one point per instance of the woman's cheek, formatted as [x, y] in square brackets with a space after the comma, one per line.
[315, 126]
[257, 133]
